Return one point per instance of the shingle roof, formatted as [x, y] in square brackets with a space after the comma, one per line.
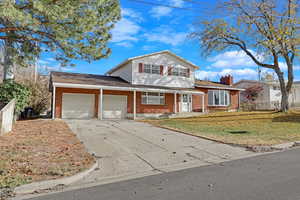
[92, 79]
[211, 84]
[88, 79]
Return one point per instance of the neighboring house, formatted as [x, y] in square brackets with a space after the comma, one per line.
[269, 98]
[152, 85]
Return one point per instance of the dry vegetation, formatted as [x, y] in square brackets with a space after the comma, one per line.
[242, 128]
[38, 150]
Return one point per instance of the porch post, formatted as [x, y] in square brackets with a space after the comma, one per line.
[53, 102]
[175, 102]
[100, 113]
[134, 104]
[191, 103]
[203, 95]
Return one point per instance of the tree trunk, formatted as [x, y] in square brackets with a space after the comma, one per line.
[284, 91]
[8, 63]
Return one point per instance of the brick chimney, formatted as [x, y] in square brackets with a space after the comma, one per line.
[226, 80]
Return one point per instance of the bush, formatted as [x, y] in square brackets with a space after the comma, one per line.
[11, 90]
[40, 97]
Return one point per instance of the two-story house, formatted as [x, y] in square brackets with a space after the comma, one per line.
[151, 85]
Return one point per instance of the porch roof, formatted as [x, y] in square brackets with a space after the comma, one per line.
[91, 81]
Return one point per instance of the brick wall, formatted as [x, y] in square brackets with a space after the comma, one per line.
[141, 108]
[197, 102]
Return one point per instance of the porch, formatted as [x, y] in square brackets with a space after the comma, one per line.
[110, 102]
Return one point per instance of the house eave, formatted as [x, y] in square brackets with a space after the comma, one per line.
[145, 89]
[216, 87]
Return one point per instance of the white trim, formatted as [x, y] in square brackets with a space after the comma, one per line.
[101, 104]
[151, 69]
[158, 97]
[53, 102]
[219, 93]
[134, 105]
[221, 88]
[72, 85]
[188, 102]
[191, 103]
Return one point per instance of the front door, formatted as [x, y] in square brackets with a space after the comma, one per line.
[186, 102]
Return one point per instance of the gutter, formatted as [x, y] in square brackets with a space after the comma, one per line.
[72, 85]
[216, 87]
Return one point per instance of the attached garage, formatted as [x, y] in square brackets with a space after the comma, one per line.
[78, 106]
[114, 106]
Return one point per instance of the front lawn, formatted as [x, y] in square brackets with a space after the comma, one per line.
[242, 128]
[39, 150]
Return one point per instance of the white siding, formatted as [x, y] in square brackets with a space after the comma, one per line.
[270, 98]
[162, 80]
[125, 72]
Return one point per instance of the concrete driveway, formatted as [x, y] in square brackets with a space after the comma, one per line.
[128, 149]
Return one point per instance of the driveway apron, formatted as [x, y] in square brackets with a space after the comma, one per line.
[127, 148]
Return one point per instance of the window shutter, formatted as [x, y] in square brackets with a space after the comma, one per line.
[141, 68]
[169, 70]
[188, 72]
[161, 70]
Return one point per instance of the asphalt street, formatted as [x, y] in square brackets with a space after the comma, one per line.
[274, 176]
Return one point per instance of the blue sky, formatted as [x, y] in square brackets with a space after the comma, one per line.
[147, 28]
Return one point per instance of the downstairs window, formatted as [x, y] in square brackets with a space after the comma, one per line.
[218, 98]
[152, 98]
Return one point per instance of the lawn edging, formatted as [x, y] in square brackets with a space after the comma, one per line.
[198, 136]
[48, 184]
[256, 149]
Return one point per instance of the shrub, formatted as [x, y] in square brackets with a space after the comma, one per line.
[40, 96]
[10, 90]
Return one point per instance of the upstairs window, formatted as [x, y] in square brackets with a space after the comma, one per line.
[152, 69]
[218, 98]
[153, 98]
[176, 71]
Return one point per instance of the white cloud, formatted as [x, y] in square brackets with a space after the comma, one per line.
[51, 59]
[177, 3]
[246, 73]
[162, 11]
[45, 69]
[43, 62]
[130, 13]
[166, 35]
[283, 66]
[127, 28]
[148, 47]
[230, 59]
[124, 44]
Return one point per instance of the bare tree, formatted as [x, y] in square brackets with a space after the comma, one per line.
[267, 27]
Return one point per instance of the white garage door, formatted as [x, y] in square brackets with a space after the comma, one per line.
[114, 106]
[78, 106]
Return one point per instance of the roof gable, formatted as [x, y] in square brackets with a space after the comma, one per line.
[148, 55]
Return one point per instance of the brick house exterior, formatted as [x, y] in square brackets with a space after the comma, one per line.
[152, 85]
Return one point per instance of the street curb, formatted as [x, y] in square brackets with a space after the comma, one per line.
[277, 147]
[43, 185]
[283, 146]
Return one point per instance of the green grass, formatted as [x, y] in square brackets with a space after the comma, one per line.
[242, 128]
